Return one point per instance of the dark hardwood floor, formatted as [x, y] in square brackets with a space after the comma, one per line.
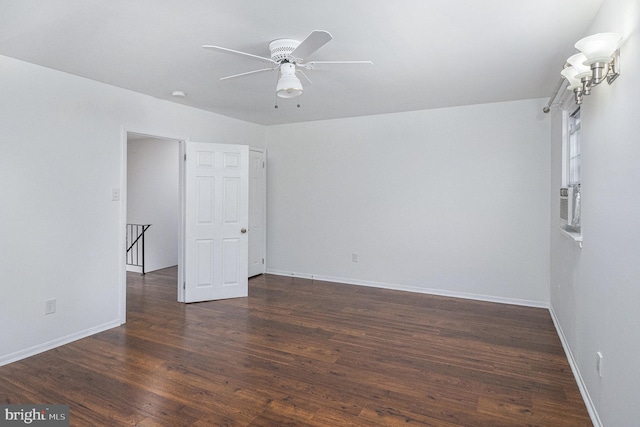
[307, 353]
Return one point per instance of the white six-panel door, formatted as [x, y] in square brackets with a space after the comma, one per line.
[216, 221]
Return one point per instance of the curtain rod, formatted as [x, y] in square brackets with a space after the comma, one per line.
[547, 107]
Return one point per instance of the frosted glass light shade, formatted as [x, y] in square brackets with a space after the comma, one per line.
[570, 74]
[577, 63]
[289, 85]
[599, 47]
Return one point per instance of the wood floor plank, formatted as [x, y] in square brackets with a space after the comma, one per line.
[301, 352]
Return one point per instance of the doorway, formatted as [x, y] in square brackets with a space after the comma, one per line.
[257, 211]
[132, 138]
[158, 147]
[153, 203]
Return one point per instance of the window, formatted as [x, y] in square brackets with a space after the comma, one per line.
[570, 194]
[573, 152]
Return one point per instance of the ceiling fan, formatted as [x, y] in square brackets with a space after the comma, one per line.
[288, 56]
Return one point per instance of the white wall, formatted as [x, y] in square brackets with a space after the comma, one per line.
[595, 291]
[153, 198]
[62, 142]
[452, 201]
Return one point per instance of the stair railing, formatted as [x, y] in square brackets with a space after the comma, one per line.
[135, 249]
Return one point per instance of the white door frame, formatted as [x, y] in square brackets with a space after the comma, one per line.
[263, 191]
[158, 134]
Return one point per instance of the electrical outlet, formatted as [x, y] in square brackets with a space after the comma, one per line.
[50, 306]
[354, 257]
[115, 194]
[599, 364]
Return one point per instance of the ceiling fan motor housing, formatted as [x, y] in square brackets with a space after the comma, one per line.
[281, 49]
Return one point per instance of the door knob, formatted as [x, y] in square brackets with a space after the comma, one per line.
[244, 230]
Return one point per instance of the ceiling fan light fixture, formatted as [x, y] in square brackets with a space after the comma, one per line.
[289, 86]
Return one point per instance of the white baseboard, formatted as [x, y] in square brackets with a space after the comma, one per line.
[593, 413]
[429, 291]
[40, 348]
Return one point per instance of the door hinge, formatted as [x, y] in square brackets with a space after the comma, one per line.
[184, 286]
[185, 157]
[263, 165]
[262, 261]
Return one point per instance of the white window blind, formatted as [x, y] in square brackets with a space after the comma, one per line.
[574, 150]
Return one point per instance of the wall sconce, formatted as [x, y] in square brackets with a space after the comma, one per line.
[599, 60]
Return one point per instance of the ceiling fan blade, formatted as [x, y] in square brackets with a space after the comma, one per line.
[305, 77]
[319, 65]
[238, 53]
[248, 72]
[313, 42]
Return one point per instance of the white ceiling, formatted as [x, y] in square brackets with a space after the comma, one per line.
[426, 53]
